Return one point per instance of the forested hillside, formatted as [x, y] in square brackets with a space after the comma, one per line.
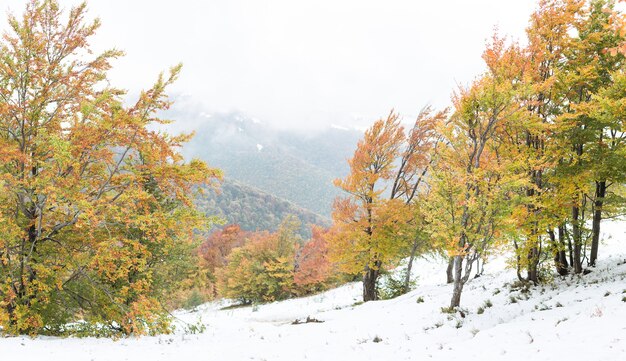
[253, 209]
[294, 166]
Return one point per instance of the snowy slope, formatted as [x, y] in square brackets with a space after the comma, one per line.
[575, 318]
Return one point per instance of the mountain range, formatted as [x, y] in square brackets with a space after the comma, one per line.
[269, 172]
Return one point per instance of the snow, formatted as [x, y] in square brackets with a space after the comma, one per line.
[572, 318]
[259, 147]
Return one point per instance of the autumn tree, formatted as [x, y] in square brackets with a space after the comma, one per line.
[216, 248]
[379, 221]
[262, 270]
[572, 54]
[410, 182]
[313, 269]
[529, 142]
[361, 242]
[471, 181]
[594, 158]
[558, 143]
[95, 202]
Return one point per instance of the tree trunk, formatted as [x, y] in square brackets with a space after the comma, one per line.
[407, 277]
[532, 257]
[577, 236]
[555, 252]
[370, 293]
[449, 273]
[518, 262]
[458, 282]
[562, 254]
[533, 261]
[597, 218]
[569, 248]
[560, 258]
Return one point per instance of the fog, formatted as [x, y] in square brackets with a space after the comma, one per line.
[303, 64]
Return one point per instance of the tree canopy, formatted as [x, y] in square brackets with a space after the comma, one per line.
[95, 202]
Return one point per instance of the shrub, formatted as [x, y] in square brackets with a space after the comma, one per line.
[392, 285]
[194, 299]
[260, 271]
[313, 270]
[276, 266]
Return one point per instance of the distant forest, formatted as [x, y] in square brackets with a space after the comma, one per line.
[253, 209]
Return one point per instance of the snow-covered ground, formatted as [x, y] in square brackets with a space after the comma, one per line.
[574, 318]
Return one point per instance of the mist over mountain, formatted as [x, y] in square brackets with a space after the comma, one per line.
[297, 167]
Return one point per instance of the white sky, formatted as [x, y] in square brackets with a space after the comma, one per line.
[304, 64]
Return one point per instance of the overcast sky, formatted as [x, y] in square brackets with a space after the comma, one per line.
[304, 64]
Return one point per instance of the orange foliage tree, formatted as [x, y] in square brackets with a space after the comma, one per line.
[313, 269]
[94, 202]
[215, 249]
[277, 265]
[372, 228]
[262, 269]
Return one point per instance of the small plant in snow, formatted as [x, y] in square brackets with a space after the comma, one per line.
[487, 304]
[308, 319]
[480, 310]
[607, 293]
[512, 299]
[420, 299]
[559, 321]
[195, 328]
[543, 307]
[448, 310]
[474, 331]
[558, 304]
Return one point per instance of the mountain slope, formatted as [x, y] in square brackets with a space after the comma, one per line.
[297, 167]
[253, 209]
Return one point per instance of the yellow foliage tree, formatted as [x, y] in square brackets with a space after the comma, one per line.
[94, 203]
